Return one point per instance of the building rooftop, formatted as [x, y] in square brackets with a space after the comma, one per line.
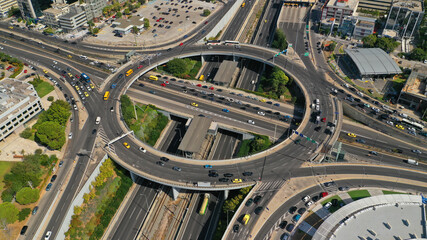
[395, 216]
[416, 84]
[12, 92]
[344, 4]
[53, 11]
[373, 61]
[225, 71]
[413, 5]
[126, 23]
[193, 138]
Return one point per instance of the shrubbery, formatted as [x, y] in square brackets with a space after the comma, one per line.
[279, 40]
[27, 133]
[23, 214]
[183, 68]
[385, 43]
[274, 83]
[8, 214]
[27, 195]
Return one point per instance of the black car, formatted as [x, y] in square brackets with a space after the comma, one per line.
[160, 163]
[164, 159]
[36, 208]
[24, 229]
[258, 210]
[397, 150]
[315, 198]
[213, 174]
[257, 199]
[301, 210]
[334, 202]
[213, 171]
[53, 178]
[120, 76]
[292, 210]
[247, 174]
[290, 227]
[224, 179]
[283, 224]
[249, 202]
[169, 49]
[327, 184]
[228, 174]
[236, 227]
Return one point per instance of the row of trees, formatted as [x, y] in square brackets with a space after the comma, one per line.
[24, 178]
[386, 44]
[274, 83]
[50, 127]
[116, 8]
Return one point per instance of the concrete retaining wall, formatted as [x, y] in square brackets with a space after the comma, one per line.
[78, 200]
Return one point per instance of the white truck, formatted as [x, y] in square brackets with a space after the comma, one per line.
[98, 120]
[412, 161]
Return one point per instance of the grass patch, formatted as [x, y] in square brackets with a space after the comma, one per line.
[43, 89]
[244, 148]
[359, 194]
[250, 146]
[392, 192]
[4, 168]
[334, 208]
[398, 84]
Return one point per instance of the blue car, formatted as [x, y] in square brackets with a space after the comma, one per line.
[208, 166]
[277, 105]
[225, 110]
[49, 186]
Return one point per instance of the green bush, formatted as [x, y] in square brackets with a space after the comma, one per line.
[279, 40]
[27, 133]
[27, 195]
[23, 214]
[206, 12]
[50, 98]
[8, 213]
[7, 195]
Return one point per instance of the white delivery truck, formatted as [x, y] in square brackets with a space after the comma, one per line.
[98, 120]
[412, 161]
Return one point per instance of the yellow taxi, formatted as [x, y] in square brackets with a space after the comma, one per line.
[10, 27]
[91, 85]
[86, 94]
[237, 180]
[400, 127]
[194, 104]
[263, 100]
[77, 88]
[45, 71]
[69, 56]
[351, 135]
[126, 145]
[71, 75]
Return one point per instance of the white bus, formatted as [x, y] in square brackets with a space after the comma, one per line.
[229, 42]
[413, 124]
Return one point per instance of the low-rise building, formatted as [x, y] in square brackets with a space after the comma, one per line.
[19, 102]
[5, 6]
[375, 5]
[357, 27]
[124, 26]
[405, 18]
[51, 17]
[74, 19]
[414, 93]
[339, 9]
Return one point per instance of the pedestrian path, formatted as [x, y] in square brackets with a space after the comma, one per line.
[307, 228]
[345, 197]
[270, 186]
[320, 211]
[375, 192]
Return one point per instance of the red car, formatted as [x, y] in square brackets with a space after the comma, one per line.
[25, 71]
[323, 119]
[158, 20]
[140, 66]
[163, 85]
[199, 85]
[181, 44]
[77, 76]
[324, 194]
[211, 88]
[8, 67]
[206, 22]
[166, 82]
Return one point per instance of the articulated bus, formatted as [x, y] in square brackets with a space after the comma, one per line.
[204, 204]
[413, 124]
[129, 72]
[154, 78]
[213, 42]
[229, 42]
[106, 95]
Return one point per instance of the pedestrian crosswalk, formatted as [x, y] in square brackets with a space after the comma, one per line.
[105, 140]
[270, 186]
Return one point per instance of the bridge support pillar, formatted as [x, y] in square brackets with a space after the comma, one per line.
[133, 176]
[203, 59]
[175, 193]
[226, 193]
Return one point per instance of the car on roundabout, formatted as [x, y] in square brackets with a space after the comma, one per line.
[351, 135]
[142, 149]
[237, 180]
[126, 145]
[400, 127]
[225, 110]
[194, 104]
[207, 166]
[251, 122]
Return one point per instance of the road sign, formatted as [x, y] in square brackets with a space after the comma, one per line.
[337, 113]
[301, 135]
[297, 133]
[309, 139]
[290, 45]
[306, 54]
[313, 141]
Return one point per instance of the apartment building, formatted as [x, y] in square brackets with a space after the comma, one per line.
[5, 6]
[339, 9]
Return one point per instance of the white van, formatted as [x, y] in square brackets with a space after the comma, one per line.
[98, 120]
[413, 162]
[317, 101]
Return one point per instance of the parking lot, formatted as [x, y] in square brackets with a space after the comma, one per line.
[168, 20]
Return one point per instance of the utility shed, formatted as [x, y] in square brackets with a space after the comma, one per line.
[373, 61]
[225, 73]
[195, 135]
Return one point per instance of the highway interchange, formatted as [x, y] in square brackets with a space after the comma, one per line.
[271, 167]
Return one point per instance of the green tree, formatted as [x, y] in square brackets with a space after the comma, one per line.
[417, 54]
[48, 30]
[58, 112]
[119, 14]
[95, 30]
[127, 11]
[8, 213]
[206, 12]
[27, 195]
[27, 133]
[23, 214]
[279, 40]
[137, 5]
[177, 66]
[332, 46]
[386, 44]
[369, 41]
[146, 23]
[51, 134]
